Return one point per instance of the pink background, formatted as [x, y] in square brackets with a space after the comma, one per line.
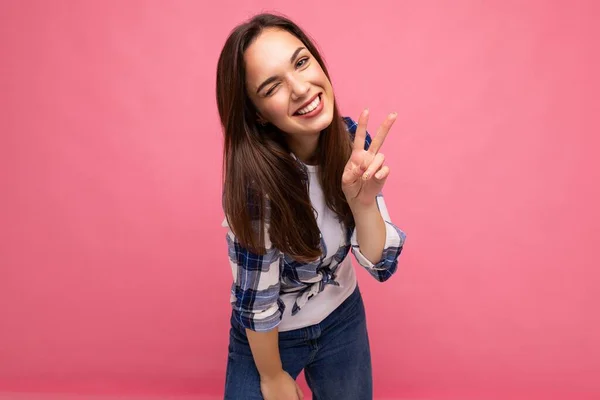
[113, 265]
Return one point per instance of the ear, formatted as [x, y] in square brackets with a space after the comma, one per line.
[261, 120]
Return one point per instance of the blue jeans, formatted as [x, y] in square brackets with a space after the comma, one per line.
[334, 355]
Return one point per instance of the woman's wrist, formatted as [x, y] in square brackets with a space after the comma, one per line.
[271, 375]
[358, 209]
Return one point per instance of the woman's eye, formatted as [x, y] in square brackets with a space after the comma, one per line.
[271, 90]
[300, 64]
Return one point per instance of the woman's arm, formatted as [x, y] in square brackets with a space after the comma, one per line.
[380, 265]
[275, 383]
[370, 231]
[257, 307]
[376, 242]
[265, 350]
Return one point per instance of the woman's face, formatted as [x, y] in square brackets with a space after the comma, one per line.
[287, 85]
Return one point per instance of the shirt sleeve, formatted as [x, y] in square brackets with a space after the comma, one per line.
[255, 288]
[394, 242]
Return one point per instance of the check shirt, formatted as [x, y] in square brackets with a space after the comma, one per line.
[259, 280]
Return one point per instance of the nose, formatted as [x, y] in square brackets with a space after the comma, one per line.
[299, 88]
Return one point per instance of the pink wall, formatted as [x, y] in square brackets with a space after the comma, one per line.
[113, 265]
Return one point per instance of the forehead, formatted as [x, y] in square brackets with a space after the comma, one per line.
[270, 52]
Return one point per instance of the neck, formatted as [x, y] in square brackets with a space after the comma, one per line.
[304, 148]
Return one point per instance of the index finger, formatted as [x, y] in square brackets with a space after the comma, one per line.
[361, 131]
[382, 132]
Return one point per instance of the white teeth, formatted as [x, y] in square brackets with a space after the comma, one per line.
[311, 106]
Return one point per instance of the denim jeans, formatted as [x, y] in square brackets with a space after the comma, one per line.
[334, 355]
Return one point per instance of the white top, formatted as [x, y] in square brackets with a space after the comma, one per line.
[322, 304]
[259, 284]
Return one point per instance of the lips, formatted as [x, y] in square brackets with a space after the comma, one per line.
[307, 103]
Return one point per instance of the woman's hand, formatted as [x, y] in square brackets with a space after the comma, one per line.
[365, 174]
[280, 387]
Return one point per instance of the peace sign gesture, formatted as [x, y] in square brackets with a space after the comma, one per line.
[364, 174]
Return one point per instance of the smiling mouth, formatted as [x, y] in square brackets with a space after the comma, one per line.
[319, 96]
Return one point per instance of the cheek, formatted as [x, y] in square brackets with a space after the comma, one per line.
[318, 73]
[321, 79]
[276, 108]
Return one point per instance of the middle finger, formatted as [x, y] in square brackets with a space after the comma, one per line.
[382, 132]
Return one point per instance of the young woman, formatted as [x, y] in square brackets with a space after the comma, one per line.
[302, 188]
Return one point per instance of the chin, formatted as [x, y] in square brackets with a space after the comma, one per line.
[316, 127]
[327, 118]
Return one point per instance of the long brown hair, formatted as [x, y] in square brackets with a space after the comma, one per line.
[257, 164]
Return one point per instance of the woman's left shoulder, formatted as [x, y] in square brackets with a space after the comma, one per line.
[350, 124]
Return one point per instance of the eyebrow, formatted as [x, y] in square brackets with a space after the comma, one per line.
[272, 78]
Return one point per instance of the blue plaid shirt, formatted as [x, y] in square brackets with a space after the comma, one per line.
[258, 280]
